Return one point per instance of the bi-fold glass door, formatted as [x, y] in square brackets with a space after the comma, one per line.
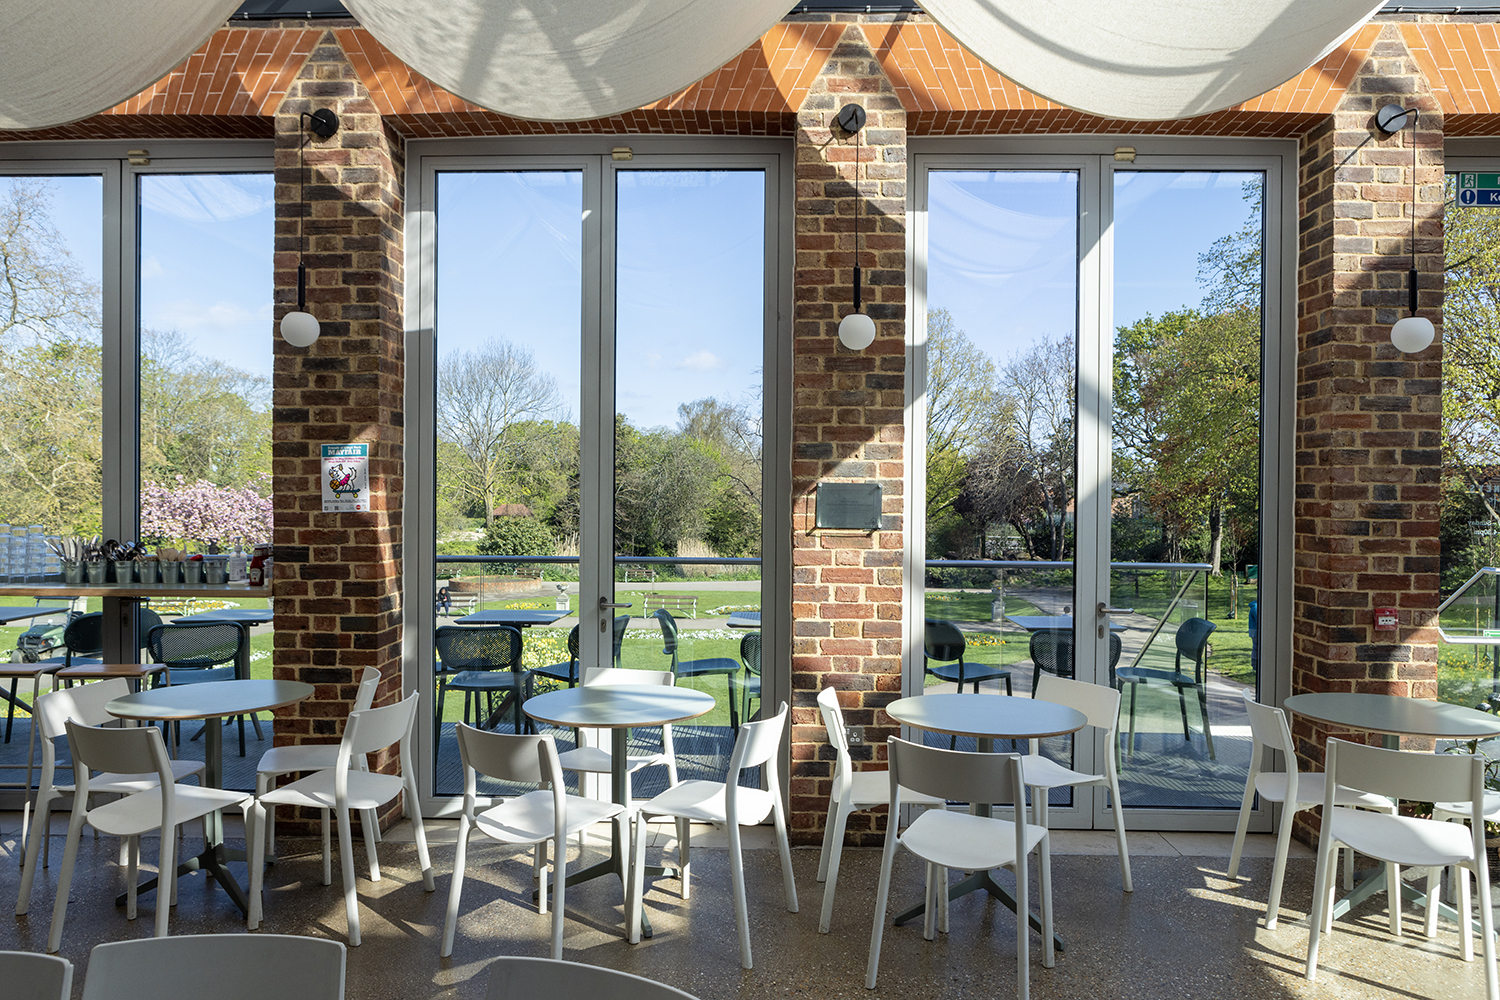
[1091, 344]
[592, 339]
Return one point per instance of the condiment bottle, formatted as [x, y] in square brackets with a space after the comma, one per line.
[258, 568]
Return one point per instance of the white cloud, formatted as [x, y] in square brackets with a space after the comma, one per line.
[207, 197]
[151, 267]
[703, 361]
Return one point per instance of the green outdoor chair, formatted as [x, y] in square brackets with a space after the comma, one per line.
[1192, 642]
[748, 686]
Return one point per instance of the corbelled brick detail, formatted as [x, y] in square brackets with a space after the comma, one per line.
[337, 576]
[847, 420]
[1369, 419]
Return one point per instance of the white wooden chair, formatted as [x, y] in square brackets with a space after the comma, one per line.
[225, 966]
[342, 788]
[1407, 840]
[514, 978]
[758, 744]
[536, 817]
[946, 840]
[29, 976]
[1102, 707]
[1269, 731]
[852, 791]
[165, 805]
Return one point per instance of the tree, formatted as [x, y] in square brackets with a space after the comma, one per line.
[962, 408]
[662, 481]
[1039, 384]
[205, 511]
[482, 396]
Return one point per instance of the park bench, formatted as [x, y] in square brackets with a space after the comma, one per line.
[460, 604]
[680, 607]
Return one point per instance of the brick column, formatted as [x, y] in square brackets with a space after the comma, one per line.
[847, 421]
[337, 576]
[1369, 419]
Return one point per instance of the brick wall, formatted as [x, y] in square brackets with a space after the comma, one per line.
[1368, 417]
[847, 420]
[337, 576]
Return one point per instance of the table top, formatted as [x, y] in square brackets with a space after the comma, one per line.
[98, 671]
[209, 700]
[1395, 715]
[18, 613]
[987, 715]
[252, 616]
[743, 619]
[520, 618]
[618, 707]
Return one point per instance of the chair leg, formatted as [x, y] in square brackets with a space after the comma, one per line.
[423, 857]
[1278, 873]
[1182, 704]
[460, 857]
[833, 849]
[1466, 926]
[1486, 929]
[65, 879]
[788, 883]
[132, 875]
[1434, 890]
[929, 902]
[741, 909]
[257, 850]
[684, 853]
[637, 879]
[369, 832]
[1393, 895]
[327, 852]
[1208, 732]
[882, 900]
[1322, 903]
[35, 855]
[559, 889]
[1132, 718]
[1242, 826]
[346, 863]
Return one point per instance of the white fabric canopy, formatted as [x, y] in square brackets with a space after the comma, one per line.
[566, 60]
[1150, 59]
[62, 60]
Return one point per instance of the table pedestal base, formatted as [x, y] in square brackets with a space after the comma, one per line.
[974, 883]
[212, 861]
[1374, 880]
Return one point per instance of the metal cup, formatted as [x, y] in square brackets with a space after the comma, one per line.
[124, 571]
[72, 572]
[192, 572]
[215, 572]
[148, 571]
[98, 572]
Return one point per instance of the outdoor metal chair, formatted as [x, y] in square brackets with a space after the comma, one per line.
[1192, 642]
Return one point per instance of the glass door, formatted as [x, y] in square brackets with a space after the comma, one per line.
[1090, 408]
[598, 333]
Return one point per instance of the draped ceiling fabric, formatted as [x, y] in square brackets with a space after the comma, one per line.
[566, 60]
[1150, 59]
[62, 60]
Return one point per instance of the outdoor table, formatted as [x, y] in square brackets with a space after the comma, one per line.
[134, 672]
[15, 614]
[1393, 716]
[743, 619]
[618, 709]
[210, 701]
[517, 618]
[986, 717]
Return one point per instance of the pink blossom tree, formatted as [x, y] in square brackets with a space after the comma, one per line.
[201, 511]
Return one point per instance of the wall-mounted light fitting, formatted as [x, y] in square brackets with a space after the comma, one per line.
[1124, 154]
[138, 157]
[856, 330]
[300, 327]
[620, 153]
[1411, 333]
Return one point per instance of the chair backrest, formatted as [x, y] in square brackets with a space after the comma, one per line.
[1052, 650]
[942, 641]
[573, 644]
[622, 622]
[30, 976]
[1192, 642]
[757, 743]
[85, 634]
[750, 653]
[1418, 777]
[527, 759]
[1269, 731]
[377, 728]
[138, 750]
[145, 621]
[668, 630]
[83, 704]
[193, 645]
[1100, 703]
[838, 736]
[479, 647]
[230, 966]
[624, 677]
[955, 775]
[369, 684]
[528, 978]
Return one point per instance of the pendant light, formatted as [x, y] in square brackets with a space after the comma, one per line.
[1412, 333]
[300, 327]
[856, 330]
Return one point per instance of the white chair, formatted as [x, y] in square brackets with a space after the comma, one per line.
[306, 758]
[852, 791]
[757, 744]
[1269, 731]
[529, 978]
[29, 976]
[1102, 706]
[225, 966]
[85, 706]
[341, 788]
[164, 806]
[1407, 840]
[967, 842]
[533, 818]
[592, 756]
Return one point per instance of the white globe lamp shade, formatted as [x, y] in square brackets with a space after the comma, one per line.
[856, 331]
[1412, 334]
[299, 329]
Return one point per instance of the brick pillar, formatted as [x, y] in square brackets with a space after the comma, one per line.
[337, 576]
[1369, 418]
[847, 421]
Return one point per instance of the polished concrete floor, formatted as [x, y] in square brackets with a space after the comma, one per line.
[1186, 931]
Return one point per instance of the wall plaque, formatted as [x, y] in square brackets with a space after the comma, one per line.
[848, 506]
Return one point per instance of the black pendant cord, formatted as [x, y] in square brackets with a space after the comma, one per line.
[857, 207]
[1412, 275]
[301, 219]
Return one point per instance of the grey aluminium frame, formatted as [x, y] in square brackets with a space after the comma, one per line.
[592, 155]
[1277, 158]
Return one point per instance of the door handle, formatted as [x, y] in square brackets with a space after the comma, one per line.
[1105, 609]
[604, 605]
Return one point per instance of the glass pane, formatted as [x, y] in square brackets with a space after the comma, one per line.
[206, 243]
[51, 341]
[509, 333]
[1001, 438]
[1469, 669]
[689, 344]
[1187, 405]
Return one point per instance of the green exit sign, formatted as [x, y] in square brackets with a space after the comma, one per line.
[1479, 190]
